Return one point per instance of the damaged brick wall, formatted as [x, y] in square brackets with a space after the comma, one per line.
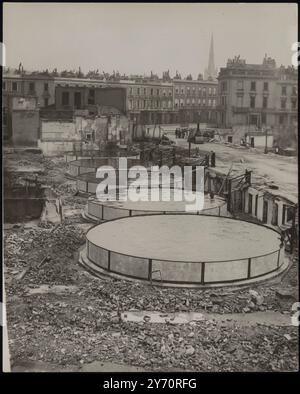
[25, 127]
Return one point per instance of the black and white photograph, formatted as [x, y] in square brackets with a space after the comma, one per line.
[150, 189]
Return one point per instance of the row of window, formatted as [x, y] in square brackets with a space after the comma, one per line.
[283, 102]
[149, 91]
[187, 102]
[253, 87]
[15, 86]
[142, 104]
[201, 91]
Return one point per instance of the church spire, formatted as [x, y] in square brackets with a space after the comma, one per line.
[211, 71]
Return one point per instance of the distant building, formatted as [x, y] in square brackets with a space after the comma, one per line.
[195, 101]
[259, 95]
[82, 94]
[26, 86]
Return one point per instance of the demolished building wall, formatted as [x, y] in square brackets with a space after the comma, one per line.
[59, 136]
[25, 125]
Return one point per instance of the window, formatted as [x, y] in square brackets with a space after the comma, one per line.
[283, 90]
[177, 90]
[170, 93]
[14, 86]
[3, 85]
[294, 104]
[65, 98]
[214, 91]
[266, 86]
[281, 119]
[182, 91]
[31, 86]
[77, 100]
[229, 139]
[157, 104]
[204, 92]
[188, 91]
[252, 102]
[46, 87]
[240, 85]
[151, 92]
[203, 102]
[209, 102]
[130, 90]
[294, 90]
[46, 102]
[91, 97]
[157, 92]
[265, 102]
[164, 93]
[144, 104]
[138, 91]
[224, 86]
[145, 91]
[223, 100]
[263, 118]
[239, 101]
[253, 86]
[209, 91]
[214, 102]
[283, 103]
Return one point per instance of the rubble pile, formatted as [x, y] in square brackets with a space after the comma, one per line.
[45, 252]
[72, 333]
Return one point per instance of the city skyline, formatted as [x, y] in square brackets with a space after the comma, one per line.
[164, 28]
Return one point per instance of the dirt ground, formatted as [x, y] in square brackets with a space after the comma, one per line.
[61, 318]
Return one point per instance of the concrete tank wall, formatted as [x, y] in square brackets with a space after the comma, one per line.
[184, 272]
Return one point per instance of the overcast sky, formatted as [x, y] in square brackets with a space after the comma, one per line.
[137, 38]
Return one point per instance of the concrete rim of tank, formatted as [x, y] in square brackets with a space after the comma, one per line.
[95, 219]
[184, 214]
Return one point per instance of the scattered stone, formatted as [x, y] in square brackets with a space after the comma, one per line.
[189, 351]
[286, 294]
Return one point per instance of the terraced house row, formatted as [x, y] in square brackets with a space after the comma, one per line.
[244, 94]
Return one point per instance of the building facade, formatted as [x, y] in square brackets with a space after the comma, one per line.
[195, 100]
[259, 95]
[21, 85]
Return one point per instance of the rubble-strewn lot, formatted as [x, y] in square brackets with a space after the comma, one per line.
[60, 314]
